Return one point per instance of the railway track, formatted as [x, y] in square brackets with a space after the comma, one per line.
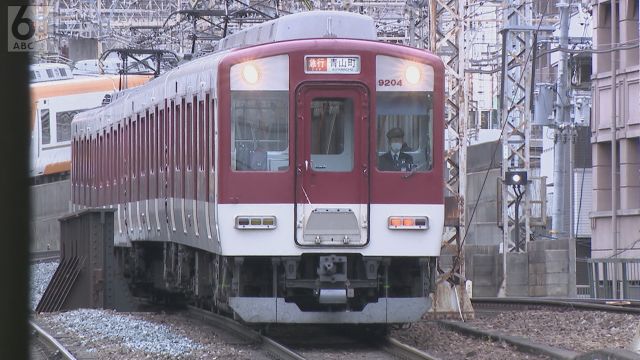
[44, 256]
[518, 304]
[268, 346]
[310, 342]
[44, 346]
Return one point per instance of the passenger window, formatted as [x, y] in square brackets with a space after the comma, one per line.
[404, 123]
[260, 131]
[332, 135]
[45, 129]
[63, 124]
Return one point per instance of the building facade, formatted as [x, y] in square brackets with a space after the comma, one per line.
[616, 176]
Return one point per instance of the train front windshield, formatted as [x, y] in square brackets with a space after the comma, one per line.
[260, 130]
[404, 122]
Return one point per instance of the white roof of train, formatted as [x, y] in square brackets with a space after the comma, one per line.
[304, 25]
[307, 25]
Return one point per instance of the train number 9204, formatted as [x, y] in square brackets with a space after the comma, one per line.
[390, 82]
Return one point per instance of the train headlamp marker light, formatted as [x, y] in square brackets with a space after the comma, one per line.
[255, 222]
[412, 74]
[250, 74]
[408, 223]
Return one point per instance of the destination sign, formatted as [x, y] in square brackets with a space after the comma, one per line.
[332, 64]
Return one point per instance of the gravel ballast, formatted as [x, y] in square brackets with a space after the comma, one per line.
[435, 339]
[575, 330]
[106, 334]
[41, 274]
[94, 327]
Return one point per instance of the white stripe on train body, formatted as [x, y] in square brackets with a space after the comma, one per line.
[280, 241]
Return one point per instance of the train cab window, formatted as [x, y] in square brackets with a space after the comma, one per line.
[332, 135]
[45, 128]
[260, 131]
[404, 136]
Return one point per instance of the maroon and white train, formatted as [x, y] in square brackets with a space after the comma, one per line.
[253, 178]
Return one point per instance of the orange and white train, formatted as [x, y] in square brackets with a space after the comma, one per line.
[56, 97]
[252, 179]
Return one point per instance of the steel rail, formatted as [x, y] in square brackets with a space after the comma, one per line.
[269, 346]
[404, 351]
[568, 303]
[51, 342]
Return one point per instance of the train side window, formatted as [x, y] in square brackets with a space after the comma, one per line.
[100, 162]
[161, 144]
[63, 124]
[134, 149]
[152, 144]
[189, 135]
[114, 156]
[178, 137]
[183, 136]
[108, 159]
[142, 146]
[45, 128]
[201, 130]
[404, 131]
[211, 120]
[172, 147]
[259, 131]
[194, 136]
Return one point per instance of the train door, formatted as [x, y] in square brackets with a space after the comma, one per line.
[332, 165]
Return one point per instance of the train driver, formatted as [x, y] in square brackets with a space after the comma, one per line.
[396, 159]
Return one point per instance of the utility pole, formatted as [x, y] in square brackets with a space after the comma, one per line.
[614, 144]
[561, 176]
[562, 172]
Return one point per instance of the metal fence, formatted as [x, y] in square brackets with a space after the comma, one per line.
[600, 274]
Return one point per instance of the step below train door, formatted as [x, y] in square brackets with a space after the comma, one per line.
[332, 165]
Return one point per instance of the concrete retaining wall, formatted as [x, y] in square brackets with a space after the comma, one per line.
[542, 271]
[48, 203]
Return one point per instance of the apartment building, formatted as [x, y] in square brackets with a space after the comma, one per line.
[616, 176]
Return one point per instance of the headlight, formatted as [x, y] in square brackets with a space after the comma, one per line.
[250, 74]
[412, 74]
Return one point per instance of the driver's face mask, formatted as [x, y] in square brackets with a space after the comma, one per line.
[396, 146]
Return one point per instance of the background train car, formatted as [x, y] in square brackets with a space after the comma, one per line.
[252, 179]
[57, 96]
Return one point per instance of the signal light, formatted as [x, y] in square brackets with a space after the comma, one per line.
[515, 177]
[408, 223]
